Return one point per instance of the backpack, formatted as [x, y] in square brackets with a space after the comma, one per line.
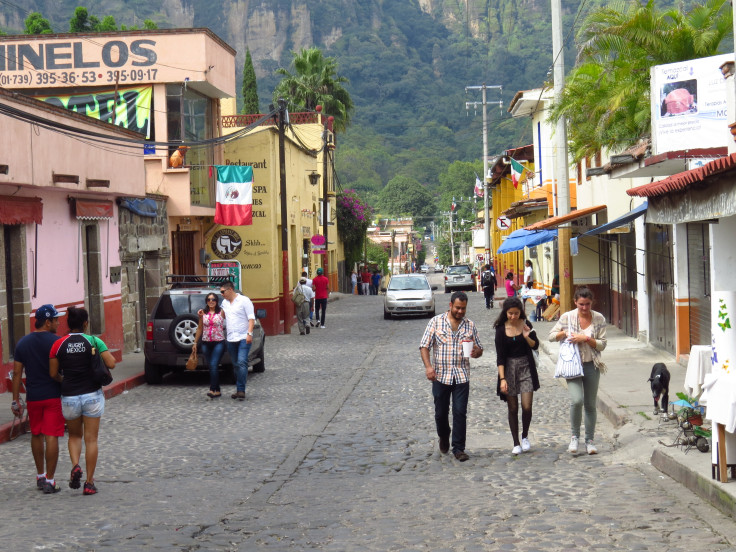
[298, 296]
[486, 279]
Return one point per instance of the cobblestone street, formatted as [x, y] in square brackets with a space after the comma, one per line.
[335, 449]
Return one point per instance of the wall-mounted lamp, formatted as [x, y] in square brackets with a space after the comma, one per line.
[314, 178]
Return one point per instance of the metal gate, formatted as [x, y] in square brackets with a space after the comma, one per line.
[603, 294]
[698, 282]
[627, 278]
[661, 283]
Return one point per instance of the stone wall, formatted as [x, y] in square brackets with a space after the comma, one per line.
[145, 260]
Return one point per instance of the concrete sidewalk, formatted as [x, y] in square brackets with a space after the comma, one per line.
[624, 397]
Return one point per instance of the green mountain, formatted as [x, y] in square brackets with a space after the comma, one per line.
[408, 62]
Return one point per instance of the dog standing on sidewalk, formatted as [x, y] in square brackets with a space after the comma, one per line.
[660, 382]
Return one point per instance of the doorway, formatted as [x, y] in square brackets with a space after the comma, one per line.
[660, 272]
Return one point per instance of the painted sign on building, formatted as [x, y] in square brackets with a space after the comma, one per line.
[689, 105]
[127, 107]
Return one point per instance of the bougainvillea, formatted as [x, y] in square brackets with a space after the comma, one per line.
[353, 218]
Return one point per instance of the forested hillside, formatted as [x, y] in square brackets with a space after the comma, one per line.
[408, 62]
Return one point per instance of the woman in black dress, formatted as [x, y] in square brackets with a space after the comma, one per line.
[517, 371]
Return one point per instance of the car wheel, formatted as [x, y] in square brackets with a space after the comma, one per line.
[153, 373]
[431, 314]
[183, 330]
[447, 290]
[386, 315]
[260, 366]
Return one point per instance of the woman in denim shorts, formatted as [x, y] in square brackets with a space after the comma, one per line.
[82, 399]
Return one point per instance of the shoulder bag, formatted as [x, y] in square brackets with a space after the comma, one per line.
[569, 364]
[100, 373]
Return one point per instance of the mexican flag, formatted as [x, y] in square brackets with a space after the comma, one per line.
[234, 195]
[517, 169]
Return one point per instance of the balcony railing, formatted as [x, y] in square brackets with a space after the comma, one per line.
[301, 118]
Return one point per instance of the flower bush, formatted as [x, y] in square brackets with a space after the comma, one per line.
[353, 218]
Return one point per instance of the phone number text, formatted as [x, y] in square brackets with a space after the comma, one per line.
[77, 77]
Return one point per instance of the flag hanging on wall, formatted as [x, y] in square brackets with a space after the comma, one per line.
[234, 205]
[478, 186]
[517, 169]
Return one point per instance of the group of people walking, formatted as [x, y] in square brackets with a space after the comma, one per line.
[365, 282]
[310, 298]
[61, 388]
[516, 344]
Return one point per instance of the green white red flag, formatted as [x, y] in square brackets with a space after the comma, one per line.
[517, 170]
[234, 197]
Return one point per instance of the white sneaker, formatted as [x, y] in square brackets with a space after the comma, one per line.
[590, 448]
[573, 446]
[322, 327]
[516, 450]
[525, 445]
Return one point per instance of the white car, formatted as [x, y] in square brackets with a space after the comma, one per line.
[424, 269]
[408, 294]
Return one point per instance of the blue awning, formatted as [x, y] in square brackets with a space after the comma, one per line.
[620, 221]
[143, 207]
[520, 239]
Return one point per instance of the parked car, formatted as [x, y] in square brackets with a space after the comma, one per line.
[424, 269]
[459, 277]
[438, 268]
[408, 294]
[173, 324]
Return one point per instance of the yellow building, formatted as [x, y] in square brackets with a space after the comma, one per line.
[258, 247]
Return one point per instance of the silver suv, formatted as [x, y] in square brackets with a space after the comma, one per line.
[459, 277]
[173, 324]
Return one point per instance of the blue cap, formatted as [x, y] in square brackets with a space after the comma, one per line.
[320, 271]
[46, 312]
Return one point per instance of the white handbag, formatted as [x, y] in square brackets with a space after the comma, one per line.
[569, 364]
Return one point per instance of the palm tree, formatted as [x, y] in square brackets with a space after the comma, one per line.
[315, 82]
[606, 96]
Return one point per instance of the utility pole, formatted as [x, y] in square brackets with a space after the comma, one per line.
[285, 303]
[564, 232]
[393, 246]
[452, 235]
[325, 199]
[486, 214]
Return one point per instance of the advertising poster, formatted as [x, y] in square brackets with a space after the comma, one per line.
[689, 105]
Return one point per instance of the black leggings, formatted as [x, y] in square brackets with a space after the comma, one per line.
[526, 415]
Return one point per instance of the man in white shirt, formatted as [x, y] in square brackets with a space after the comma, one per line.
[528, 275]
[302, 311]
[239, 321]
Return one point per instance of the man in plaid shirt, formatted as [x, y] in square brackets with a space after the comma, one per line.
[449, 371]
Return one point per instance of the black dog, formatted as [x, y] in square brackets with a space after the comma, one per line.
[660, 381]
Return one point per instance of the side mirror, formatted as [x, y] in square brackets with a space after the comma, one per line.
[260, 313]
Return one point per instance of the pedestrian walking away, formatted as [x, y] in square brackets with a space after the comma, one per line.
[241, 318]
[353, 282]
[488, 282]
[449, 371]
[82, 399]
[587, 329]
[311, 303]
[365, 278]
[321, 287]
[43, 396]
[375, 282]
[517, 371]
[302, 295]
[211, 330]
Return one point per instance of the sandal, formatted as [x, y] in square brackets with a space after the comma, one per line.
[214, 394]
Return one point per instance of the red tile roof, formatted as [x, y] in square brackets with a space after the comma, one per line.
[682, 180]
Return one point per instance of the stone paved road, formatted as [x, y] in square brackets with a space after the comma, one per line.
[335, 449]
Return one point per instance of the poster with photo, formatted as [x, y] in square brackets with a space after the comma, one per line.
[688, 102]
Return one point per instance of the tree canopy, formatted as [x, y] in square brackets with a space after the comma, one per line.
[404, 195]
[250, 86]
[35, 24]
[606, 96]
[315, 82]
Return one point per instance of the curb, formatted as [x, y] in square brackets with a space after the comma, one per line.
[707, 489]
[112, 390]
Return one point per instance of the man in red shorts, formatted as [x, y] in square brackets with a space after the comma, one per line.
[43, 396]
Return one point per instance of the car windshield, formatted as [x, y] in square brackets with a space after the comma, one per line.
[458, 270]
[410, 283]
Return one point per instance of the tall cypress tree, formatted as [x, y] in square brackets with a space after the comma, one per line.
[250, 88]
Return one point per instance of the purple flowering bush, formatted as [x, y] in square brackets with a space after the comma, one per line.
[353, 218]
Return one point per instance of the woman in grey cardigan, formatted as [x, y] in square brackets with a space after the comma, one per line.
[587, 329]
